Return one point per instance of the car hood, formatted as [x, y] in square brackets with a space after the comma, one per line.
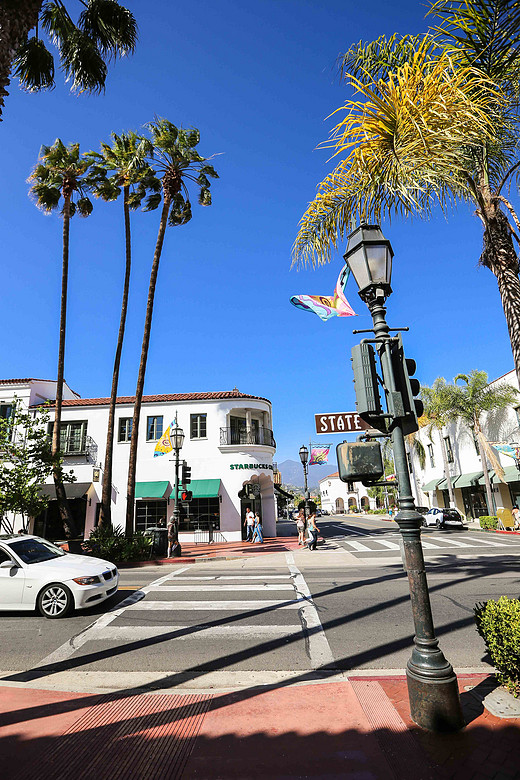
[69, 566]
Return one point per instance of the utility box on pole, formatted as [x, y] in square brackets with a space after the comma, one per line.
[368, 400]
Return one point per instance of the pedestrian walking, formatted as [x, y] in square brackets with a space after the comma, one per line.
[250, 524]
[300, 525]
[258, 534]
[172, 544]
[516, 516]
[313, 532]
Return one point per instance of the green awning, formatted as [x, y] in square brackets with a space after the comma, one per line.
[203, 488]
[511, 474]
[431, 485]
[492, 477]
[467, 480]
[152, 489]
[443, 484]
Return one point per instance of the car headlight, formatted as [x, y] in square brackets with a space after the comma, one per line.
[87, 580]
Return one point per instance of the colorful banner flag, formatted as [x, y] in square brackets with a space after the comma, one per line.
[511, 450]
[390, 478]
[326, 306]
[319, 455]
[164, 445]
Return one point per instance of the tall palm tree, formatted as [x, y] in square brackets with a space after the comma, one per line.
[468, 401]
[103, 31]
[436, 124]
[176, 162]
[120, 167]
[437, 411]
[59, 179]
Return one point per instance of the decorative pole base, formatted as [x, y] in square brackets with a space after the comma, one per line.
[435, 703]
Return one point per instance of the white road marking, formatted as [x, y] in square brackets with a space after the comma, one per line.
[69, 648]
[319, 650]
[486, 541]
[453, 542]
[137, 633]
[385, 543]
[217, 588]
[358, 546]
[212, 606]
[237, 577]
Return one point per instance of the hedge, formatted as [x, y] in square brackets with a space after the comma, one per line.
[488, 522]
[498, 623]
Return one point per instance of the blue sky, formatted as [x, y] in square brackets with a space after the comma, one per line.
[258, 80]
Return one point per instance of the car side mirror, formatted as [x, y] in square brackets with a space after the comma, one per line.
[8, 565]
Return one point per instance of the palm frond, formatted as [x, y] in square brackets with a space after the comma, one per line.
[34, 66]
[82, 62]
[110, 26]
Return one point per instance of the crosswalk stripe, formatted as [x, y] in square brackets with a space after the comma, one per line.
[217, 588]
[138, 633]
[385, 543]
[485, 541]
[215, 605]
[358, 546]
[236, 577]
[449, 541]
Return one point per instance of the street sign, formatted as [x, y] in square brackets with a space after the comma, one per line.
[343, 422]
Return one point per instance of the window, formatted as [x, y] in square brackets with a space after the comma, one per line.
[125, 429]
[154, 428]
[198, 426]
[203, 513]
[430, 453]
[238, 430]
[6, 411]
[150, 514]
[73, 437]
[449, 451]
[350, 487]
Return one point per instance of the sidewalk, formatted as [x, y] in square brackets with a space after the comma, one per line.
[347, 728]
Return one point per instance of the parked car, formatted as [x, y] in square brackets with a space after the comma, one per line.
[35, 574]
[324, 511]
[441, 518]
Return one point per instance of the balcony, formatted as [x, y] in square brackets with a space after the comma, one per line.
[260, 436]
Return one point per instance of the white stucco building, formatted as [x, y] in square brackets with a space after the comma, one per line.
[228, 443]
[338, 497]
[465, 467]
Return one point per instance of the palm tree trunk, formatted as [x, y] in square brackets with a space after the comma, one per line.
[69, 525]
[17, 19]
[483, 460]
[500, 257]
[105, 517]
[446, 468]
[130, 491]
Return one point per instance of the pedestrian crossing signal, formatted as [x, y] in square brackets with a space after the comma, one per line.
[186, 495]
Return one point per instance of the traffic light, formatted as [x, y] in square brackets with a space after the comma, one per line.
[403, 403]
[368, 400]
[186, 495]
[360, 461]
[186, 474]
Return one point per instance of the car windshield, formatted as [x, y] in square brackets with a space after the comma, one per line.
[451, 513]
[35, 550]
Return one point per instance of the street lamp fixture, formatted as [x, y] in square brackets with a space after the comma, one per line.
[177, 440]
[369, 256]
[432, 683]
[304, 457]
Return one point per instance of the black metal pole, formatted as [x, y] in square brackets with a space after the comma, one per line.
[432, 684]
[306, 496]
[177, 549]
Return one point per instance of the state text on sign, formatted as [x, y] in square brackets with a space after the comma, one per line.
[344, 422]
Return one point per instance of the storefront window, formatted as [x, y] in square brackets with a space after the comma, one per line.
[200, 514]
[149, 514]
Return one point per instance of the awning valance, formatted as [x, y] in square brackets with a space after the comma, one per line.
[511, 474]
[467, 480]
[72, 489]
[431, 485]
[152, 489]
[203, 488]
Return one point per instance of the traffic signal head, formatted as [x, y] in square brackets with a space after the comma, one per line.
[368, 400]
[186, 495]
[407, 407]
[186, 474]
[360, 461]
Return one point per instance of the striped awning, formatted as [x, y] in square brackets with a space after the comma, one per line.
[431, 485]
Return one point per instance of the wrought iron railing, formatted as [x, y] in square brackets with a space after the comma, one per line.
[262, 436]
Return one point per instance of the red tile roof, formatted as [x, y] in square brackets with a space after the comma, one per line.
[336, 474]
[150, 399]
[22, 381]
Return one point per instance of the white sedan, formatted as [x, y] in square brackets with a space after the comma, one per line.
[35, 574]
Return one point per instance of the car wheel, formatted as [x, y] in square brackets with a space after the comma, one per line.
[439, 523]
[55, 601]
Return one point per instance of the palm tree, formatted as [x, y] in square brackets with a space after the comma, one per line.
[60, 176]
[436, 125]
[437, 409]
[120, 167]
[104, 30]
[176, 162]
[468, 402]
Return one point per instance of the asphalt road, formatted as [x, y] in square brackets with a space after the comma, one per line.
[245, 622]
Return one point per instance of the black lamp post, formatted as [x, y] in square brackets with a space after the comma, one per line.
[177, 440]
[304, 457]
[432, 683]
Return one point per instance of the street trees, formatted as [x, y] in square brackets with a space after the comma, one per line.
[176, 162]
[120, 167]
[60, 179]
[468, 399]
[436, 125]
[104, 30]
[438, 412]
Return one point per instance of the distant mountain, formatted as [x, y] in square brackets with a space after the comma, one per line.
[292, 473]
